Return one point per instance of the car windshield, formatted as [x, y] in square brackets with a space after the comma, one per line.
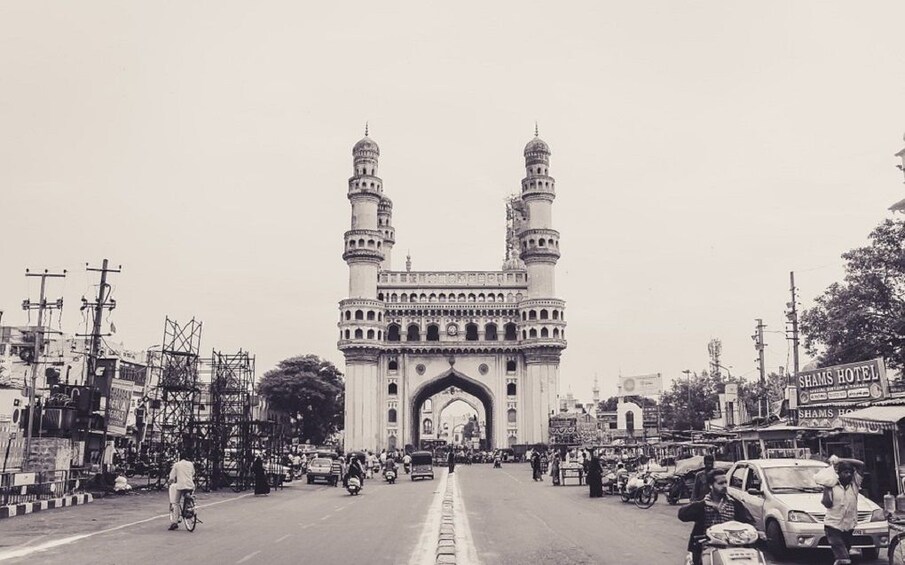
[793, 479]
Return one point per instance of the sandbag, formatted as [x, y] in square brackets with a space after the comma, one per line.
[827, 477]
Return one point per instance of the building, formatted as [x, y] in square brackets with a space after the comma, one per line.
[408, 336]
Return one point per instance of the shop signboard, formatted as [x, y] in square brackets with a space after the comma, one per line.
[651, 416]
[134, 372]
[118, 406]
[823, 417]
[852, 382]
[641, 385]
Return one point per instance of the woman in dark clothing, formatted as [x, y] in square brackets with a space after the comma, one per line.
[451, 461]
[261, 485]
[595, 477]
[535, 467]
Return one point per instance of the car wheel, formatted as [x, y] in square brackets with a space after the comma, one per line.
[775, 541]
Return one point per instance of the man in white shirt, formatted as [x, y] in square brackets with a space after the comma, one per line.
[182, 480]
[841, 503]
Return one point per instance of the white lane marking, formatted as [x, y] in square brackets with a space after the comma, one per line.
[247, 557]
[282, 538]
[466, 553]
[426, 548]
[511, 477]
[23, 552]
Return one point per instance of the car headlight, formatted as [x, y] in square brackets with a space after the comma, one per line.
[801, 517]
[878, 515]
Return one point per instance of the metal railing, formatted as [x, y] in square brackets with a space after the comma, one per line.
[18, 487]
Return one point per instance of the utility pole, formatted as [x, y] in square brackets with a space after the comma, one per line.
[793, 319]
[41, 306]
[103, 302]
[758, 338]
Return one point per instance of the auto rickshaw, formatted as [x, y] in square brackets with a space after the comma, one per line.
[422, 465]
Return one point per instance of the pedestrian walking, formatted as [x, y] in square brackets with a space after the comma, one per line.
[841, 483]
[535, 467]
[451, 461]
[595, 477]
[701, 487]
[554, 469]
[261, 485]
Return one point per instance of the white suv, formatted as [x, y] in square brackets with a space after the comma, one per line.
[785, 501]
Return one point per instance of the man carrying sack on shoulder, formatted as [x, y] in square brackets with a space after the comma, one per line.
[841, 482]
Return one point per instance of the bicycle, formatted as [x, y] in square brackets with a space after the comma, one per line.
[187, 511]
[643, 496]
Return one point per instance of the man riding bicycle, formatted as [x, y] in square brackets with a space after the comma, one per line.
[182, 481]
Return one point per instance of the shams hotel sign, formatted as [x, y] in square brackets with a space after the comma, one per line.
[826, 395]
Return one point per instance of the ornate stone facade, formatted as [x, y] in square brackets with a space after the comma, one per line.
[408, 336]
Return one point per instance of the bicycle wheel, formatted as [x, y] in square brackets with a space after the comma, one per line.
[897, 552]
[646, 497]
[189, 516]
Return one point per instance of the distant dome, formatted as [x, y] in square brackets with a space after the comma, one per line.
[364, 145]
[514, 264]
[537, 145]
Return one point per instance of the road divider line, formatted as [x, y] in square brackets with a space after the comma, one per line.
[425, 550]
[466, 553]
[26, 551]
[247, 557]
[278, 540]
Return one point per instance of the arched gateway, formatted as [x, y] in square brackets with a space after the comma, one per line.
[408, 335]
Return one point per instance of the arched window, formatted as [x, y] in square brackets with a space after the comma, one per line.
[413, 333]
[556, 314]
[359, 315]
[556, 332]
[472, 298]
[428, 405]
[511, 366]
[510, 389]
[511, 416]
[393, 332]
[370, 334]
[380, 296]
[544, 332]
[433, 332]
[532, 315]
[490, 332]
[348, 314]
[544, 314]
[393, 389]
[630, 421]
[393, 364]
[511, 332]
[347, 334]
[404, 298]
[359, 334]
[471, 332]
[524, 334]
[370, 314]
[428, 426]
[461, 297]
[512, 441]
[532, 332]
[391, 416]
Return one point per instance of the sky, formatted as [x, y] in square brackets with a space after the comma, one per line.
[702, 151]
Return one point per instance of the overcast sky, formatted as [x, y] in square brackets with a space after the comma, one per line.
[701, 150]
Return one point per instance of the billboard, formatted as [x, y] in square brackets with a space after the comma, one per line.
[642, 385]
[852, 382]
[580, 430]
[118, 404]
[825, 417]
[133, 372]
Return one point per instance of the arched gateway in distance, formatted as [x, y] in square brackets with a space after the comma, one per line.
[492, 338]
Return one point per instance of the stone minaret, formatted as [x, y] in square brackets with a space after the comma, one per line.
[361, 314]
[543, 335]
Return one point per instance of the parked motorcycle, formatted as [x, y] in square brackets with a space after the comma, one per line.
[353, 486]
[678, 489]
[730, 542]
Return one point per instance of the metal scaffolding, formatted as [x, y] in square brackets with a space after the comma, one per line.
[231, 389]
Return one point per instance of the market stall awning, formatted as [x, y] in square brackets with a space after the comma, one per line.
[874, 418]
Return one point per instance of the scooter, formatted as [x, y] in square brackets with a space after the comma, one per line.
[497, 463]
[407, 467]
[730, 542]
[390, 476]
[353, 486]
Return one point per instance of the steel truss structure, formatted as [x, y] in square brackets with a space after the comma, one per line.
[231, 390]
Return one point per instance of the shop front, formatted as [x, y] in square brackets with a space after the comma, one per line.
[875, 435]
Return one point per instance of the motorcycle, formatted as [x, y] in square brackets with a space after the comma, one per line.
[407, 467]
[353, 486]
[390, 476]
[677, 490]
[497, 463]
[730, 542]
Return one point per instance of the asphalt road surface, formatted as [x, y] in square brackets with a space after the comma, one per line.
[511, 519]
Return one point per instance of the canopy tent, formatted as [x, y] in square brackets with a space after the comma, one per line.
[875, 418]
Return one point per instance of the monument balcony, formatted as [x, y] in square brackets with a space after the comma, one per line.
[452, 279]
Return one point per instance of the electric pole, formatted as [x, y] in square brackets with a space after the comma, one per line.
[38, 351]
[103, 302]
[758, 338]
[792, 315]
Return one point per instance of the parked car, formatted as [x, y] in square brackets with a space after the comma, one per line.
[785, 501]
[320, 469]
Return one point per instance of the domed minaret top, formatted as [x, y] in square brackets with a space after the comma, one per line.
[537, 151]
[366, 147]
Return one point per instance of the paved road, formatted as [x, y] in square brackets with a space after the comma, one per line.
[511, 520]
[515, 520]
[302, 523]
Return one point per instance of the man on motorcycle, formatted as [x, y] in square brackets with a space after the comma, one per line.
[356, 471]
[717, 507]
[407, 463]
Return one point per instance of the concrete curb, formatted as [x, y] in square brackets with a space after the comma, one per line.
[38, 505]
[446, 540]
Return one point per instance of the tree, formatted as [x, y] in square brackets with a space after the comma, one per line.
[610, 404]
[311, 391]
[863, 316]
